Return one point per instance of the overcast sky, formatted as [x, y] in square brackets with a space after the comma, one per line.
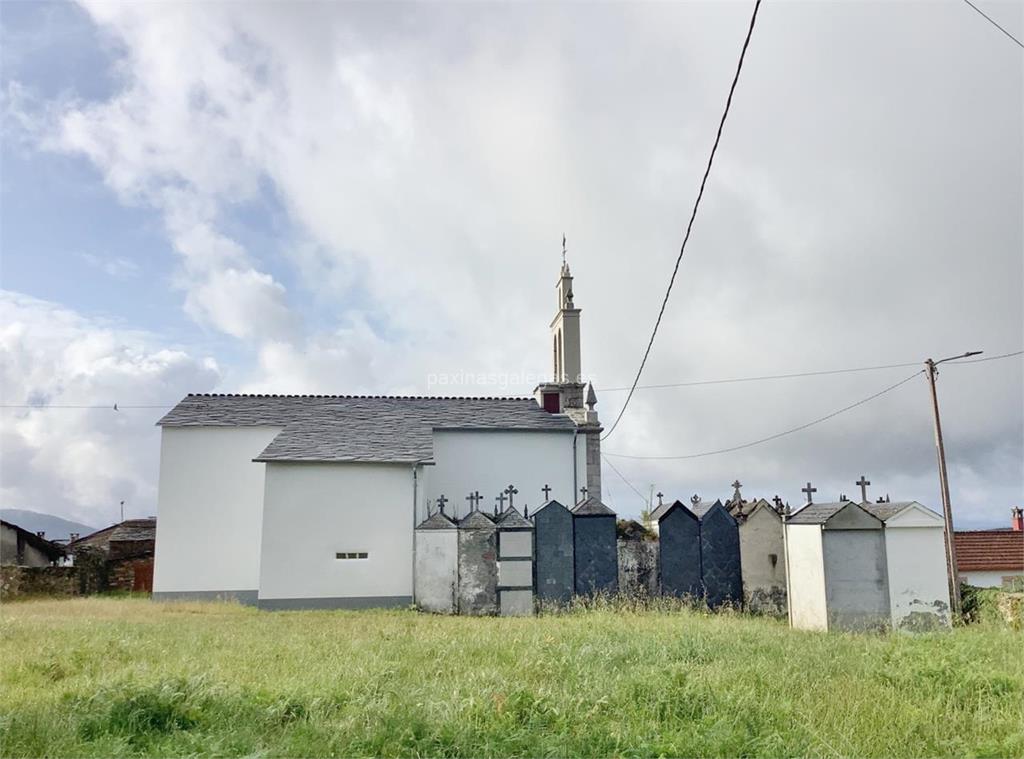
[358, 198]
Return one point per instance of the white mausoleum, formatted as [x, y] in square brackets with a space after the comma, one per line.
[308, 501]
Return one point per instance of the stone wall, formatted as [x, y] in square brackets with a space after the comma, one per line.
[19, 582]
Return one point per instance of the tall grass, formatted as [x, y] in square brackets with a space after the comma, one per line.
[112, 677]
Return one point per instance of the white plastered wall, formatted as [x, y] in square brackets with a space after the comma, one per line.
[312, 511]
[209, 508]
[489, 461]
[916, 561]
[988, 578]
[805, 567]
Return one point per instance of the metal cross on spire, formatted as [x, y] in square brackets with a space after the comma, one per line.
[737, 498]
[547, 492]
[809, 490]
[441, 501]
[474, 499]
[660, 496]
[778, 503]
[863, 483]
[583, 492]
[511, 490]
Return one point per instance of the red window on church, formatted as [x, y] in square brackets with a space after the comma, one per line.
[551, 403]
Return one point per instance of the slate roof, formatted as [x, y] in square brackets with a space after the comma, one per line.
[437, 521]
[886, 511]
[592, 508]
[476, 520]
[512, 518]
[980, 550]
[128, 530]
[703, 507]
[816, 513]
[360, 427]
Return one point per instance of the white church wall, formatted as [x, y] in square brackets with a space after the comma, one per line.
[209, 503]
[468, 461]
[314, 511]
[918, 587]
[805, 567]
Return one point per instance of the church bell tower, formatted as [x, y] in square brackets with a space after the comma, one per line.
[565, 393]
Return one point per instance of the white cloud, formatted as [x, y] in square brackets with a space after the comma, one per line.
[113, 266]
[862, 210]
[80, 462]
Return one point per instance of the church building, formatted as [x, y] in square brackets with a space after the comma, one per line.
[310, 501]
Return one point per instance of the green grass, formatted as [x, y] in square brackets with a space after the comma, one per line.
[117, 676]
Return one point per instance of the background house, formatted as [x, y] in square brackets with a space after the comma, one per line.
[125, 549]
[19, 547]
[992, 558]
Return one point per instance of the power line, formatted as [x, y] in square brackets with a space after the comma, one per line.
[693, 216]
[695, 383]
[778, 434]
[993, 22]
[988, 358]
[120, 407]
[623, 478]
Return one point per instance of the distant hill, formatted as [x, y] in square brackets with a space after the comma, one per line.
[55, 528]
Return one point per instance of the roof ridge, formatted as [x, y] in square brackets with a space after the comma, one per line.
[363, 397]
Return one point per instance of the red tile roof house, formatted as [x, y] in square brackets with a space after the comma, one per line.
[992, 558]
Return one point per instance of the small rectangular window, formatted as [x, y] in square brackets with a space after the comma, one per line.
[352, 555]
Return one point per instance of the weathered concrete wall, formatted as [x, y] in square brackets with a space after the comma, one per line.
[805, 569]
[763, 561]
[18, 581]
[856, 590]
[918, 588]
[720, 558]
[478, 566]
[437, 570]
[554, 563]
[638, 567]
[597, 561]
[679, 555]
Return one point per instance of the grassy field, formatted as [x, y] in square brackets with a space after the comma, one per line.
[119, 676]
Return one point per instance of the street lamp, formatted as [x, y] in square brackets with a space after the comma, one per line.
[947, 509]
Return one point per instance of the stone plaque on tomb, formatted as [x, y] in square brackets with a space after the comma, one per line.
[679, 552]
[478, 565]
[554, 574]
[720, 557]
[515, 564]
[595, 549]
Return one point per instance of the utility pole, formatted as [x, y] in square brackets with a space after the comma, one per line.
[947, 508]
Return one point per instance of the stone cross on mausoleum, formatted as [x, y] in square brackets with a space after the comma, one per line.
[863, 483]
[809, 490]
[474, 499]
